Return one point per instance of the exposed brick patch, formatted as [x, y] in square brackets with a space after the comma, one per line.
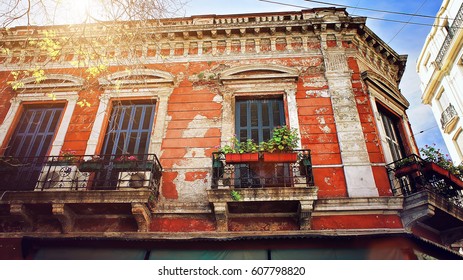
[192, 176]
[169, 190]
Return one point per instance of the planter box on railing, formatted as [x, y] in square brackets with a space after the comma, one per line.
[433, 167]
[90, 166]
[133, 166]
[407, 170]
[237, 158]
[125, 165]
[280, 157]
[61, 163]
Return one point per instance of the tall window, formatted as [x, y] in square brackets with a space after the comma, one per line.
[443, 101]
[30, 142]
[458, 141]
[255, 119]
[391, 129]
[129, 129]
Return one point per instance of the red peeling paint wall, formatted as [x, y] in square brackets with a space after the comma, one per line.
[193, 128]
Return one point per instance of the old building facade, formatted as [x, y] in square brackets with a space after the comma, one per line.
[123, 150]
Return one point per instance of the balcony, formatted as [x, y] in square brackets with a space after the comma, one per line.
[71, 189]
[456, 26]
[433, 197]
[449, 118]
[263, 186]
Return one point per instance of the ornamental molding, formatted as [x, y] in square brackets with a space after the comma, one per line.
[137, 77]
[51, 81]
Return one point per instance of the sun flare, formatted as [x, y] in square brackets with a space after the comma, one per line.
[77, 10]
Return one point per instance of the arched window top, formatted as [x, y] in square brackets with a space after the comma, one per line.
[267, 71]
[51, 81]
[137, 77]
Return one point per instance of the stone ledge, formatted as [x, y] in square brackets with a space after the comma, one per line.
[113, 196]
[358, 204]
[264, 194]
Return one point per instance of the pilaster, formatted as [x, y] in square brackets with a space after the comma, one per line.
[357, 168]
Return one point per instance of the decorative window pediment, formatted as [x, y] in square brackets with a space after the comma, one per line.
[56, 82]
[137, 77]
[259, 72]
[385, 87]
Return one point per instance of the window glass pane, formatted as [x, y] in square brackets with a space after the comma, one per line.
[24, 123]
[243, 135]
[265, 114]
[266, 134]
[34, 133]
[255, 135]
[254, 114]
[147, 118]
[34, 123]
[243, 114]
[126, 112]
[278, 119]
[46, 121]
[130, 129]
[392, 137]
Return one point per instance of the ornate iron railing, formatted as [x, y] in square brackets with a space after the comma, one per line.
[262, 173]
[413, 174]
[106, 172]
[453, 29]
[447, 115]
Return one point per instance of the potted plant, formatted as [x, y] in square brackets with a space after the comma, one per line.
[280, 147]
[240, 151]
[406, 166]
[126, 162]
[93, 164]
[66, 157]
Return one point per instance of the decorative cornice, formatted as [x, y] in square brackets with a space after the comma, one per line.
[208, 36]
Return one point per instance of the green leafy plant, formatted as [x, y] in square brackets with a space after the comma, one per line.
[67, 155]
[405, 162]
[236, 196]
[433, 154]
[237, 147]
[283, 139]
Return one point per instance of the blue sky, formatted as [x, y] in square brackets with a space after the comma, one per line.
[403, 38]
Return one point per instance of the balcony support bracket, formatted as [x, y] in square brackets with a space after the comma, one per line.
[142, 216]
[221, 215]
[65, 216]
[24, 214]
[305, 214]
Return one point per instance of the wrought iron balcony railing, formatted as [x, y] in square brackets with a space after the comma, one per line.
[260, 171]
[106, 172]
[413, 174]
[453, 29]
[447, 115]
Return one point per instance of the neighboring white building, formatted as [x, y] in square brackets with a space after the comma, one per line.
[440, 68]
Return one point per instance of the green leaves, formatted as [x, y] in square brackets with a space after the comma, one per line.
[283, 139]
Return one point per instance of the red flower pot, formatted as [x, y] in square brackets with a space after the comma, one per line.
[236, 158]
[280, 157]
[406, 170]
[456, 181]
[433, 167]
